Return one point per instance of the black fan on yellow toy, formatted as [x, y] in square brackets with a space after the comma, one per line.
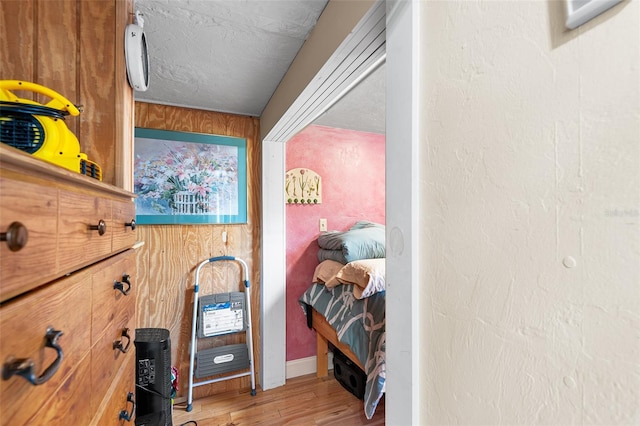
[40, 130]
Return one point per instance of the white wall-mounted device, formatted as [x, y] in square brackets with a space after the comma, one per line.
[136, 54]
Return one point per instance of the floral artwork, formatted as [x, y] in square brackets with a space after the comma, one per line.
[189, 178]
[302, 186]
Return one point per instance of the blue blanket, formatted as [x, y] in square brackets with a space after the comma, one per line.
[360, 324]
[365, 240]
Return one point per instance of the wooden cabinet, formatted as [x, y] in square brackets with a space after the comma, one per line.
[67, 297]
[72, 221]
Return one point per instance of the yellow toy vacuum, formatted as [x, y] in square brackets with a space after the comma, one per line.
[40, 130]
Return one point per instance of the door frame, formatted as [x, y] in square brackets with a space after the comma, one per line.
[402, 140]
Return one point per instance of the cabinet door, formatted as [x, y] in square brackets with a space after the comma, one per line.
[36, 208]
[65, 306]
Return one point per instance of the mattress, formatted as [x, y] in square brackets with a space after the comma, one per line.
[360, 324]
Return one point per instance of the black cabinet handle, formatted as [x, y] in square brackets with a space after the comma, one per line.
[16, 236]
[124, 415]
[25, 367]
[119, 285]
[117, 344]
[101, 227]
[132, 224]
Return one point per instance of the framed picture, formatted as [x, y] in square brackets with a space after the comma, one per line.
[189, 178]
[581, 11]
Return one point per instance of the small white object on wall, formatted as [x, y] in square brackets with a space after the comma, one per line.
[136, 54]
[581, 11]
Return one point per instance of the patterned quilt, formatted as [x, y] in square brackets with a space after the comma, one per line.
[360, 324]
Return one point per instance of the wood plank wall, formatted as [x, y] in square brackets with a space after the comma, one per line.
[171, 253]
[76, 48]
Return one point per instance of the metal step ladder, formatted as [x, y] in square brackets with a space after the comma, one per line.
[215, 315]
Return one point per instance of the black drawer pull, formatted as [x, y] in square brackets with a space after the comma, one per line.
[117, 344]
[119, 285]
[101, 227]
[132, 224]
[16, 236]
[128, 416]
[25, 367]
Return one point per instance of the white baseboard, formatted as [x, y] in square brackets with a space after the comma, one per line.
[304, 366]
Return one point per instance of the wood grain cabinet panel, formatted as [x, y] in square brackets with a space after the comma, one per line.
[64, 305]
[36, 208]
[82, 238]
[110, 303]
[72, 275]
[107, 358]
[117, 408]
[62, 212]
[68, 406]
[124, 228]
[113, 324]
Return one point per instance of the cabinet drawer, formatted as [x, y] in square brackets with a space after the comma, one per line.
[124, 215]
[107, 301]
[64, 305]
[58, 209]
[106, 357]
[117, 401]
[36, 208]
[69, 405]
[78, 243]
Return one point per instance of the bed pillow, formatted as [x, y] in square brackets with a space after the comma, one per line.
[326, 272]
[326, 254]
[366, 275]
[366, 224]
[354, 244]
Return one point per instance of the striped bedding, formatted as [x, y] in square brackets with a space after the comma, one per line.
[360, 324]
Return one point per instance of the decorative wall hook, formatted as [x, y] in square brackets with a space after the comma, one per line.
[303, 186]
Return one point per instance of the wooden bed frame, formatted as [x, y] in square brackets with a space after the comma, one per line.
[325, 334]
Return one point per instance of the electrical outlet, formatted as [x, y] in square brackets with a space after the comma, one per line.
[323, 225]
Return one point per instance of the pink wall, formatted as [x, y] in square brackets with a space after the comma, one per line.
[351, 165]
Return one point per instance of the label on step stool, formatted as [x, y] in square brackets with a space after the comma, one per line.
[220, 318]
[223, 358]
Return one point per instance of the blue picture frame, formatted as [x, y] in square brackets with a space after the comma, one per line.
[189, 178]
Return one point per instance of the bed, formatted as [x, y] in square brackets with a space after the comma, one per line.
[345, 305]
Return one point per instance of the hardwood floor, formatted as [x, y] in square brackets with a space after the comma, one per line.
[305, 400]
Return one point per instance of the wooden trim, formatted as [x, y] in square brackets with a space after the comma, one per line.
[305, 366]
[358, 55]
[273, 121]
[324, 334]
[124, 106]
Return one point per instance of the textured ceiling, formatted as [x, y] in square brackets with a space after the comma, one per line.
[230, 56]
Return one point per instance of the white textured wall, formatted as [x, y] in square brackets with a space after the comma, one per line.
[532, 152]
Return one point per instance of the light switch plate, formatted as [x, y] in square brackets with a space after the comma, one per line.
[323, 225]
